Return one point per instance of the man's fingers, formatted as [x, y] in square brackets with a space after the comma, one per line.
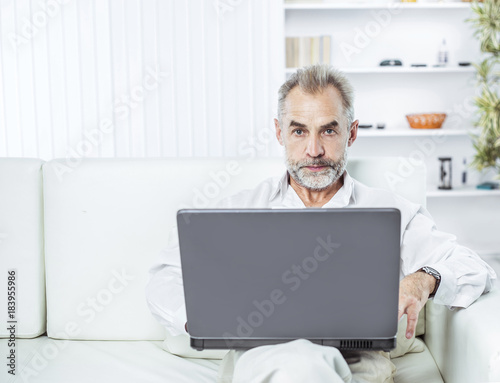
[410, 301]
[412, 312]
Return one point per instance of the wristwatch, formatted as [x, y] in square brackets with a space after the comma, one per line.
[435, 274]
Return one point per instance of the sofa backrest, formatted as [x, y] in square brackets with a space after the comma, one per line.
[21, 247]
[106, 220]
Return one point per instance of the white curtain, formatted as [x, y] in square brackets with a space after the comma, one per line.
[139, 78]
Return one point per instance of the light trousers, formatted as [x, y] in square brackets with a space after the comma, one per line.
[303, 361]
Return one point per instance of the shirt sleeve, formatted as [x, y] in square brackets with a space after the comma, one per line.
[464, 275]
[165, 291]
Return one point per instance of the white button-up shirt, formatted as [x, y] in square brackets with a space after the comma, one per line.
[464, 275]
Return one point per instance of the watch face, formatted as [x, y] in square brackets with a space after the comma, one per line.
[436, 275]
[432, 272]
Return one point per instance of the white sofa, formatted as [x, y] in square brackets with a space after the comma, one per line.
[82, 236]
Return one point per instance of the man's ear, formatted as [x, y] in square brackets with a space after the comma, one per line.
[353, 132]
[279, 132]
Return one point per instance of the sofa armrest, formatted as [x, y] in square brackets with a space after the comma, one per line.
[465, 343]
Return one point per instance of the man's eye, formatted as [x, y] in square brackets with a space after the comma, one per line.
[298, 132]
[330, 131]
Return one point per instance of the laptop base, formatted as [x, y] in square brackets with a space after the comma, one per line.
[341, 344]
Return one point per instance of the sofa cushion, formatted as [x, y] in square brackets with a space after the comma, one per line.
[43, 360]
[404, 345]
[417, 367]
[21, 245]
[180, 345]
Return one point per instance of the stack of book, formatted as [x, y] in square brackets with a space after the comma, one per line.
[301, 51]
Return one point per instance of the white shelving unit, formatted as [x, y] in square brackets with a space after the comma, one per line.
[463, 192]
[403, 70]
[408, 132]
[387, 94]
[364, 6]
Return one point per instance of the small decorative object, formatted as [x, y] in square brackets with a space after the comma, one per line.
[426, 120]
[364, 126]
[391, 63]
[443, 54]
[445, 173]
[464, 173]
[418, 65]
[380, 125]
[464, 63]
[488, 186]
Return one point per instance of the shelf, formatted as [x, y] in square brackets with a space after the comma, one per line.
[402, 69]
[408, 132]
[362, 6]
[468, 191]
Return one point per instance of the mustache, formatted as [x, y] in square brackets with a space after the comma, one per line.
[316, 163]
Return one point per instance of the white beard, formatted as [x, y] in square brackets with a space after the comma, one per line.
[319, 180]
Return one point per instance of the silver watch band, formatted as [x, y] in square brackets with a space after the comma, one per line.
[435, 274]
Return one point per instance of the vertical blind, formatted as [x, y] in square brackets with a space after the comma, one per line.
[139, 78]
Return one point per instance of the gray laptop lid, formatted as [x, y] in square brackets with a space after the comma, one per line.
[265, 276]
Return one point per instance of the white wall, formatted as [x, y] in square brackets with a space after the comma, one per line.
[157, 77]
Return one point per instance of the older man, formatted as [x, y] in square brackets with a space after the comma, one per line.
[316, 125]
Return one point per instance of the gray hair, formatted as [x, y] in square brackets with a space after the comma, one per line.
[313, 79]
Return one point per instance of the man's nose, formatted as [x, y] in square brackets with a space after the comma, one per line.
[315, 147]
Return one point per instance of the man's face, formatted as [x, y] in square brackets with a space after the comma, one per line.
[315, 134]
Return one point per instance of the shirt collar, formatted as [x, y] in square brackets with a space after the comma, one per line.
[279, 186]
[341, 198]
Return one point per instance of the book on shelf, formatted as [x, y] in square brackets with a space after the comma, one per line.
[306, 50]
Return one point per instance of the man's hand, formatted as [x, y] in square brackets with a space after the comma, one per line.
[414, 291]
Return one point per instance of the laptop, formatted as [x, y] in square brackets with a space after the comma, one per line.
[256, 277]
